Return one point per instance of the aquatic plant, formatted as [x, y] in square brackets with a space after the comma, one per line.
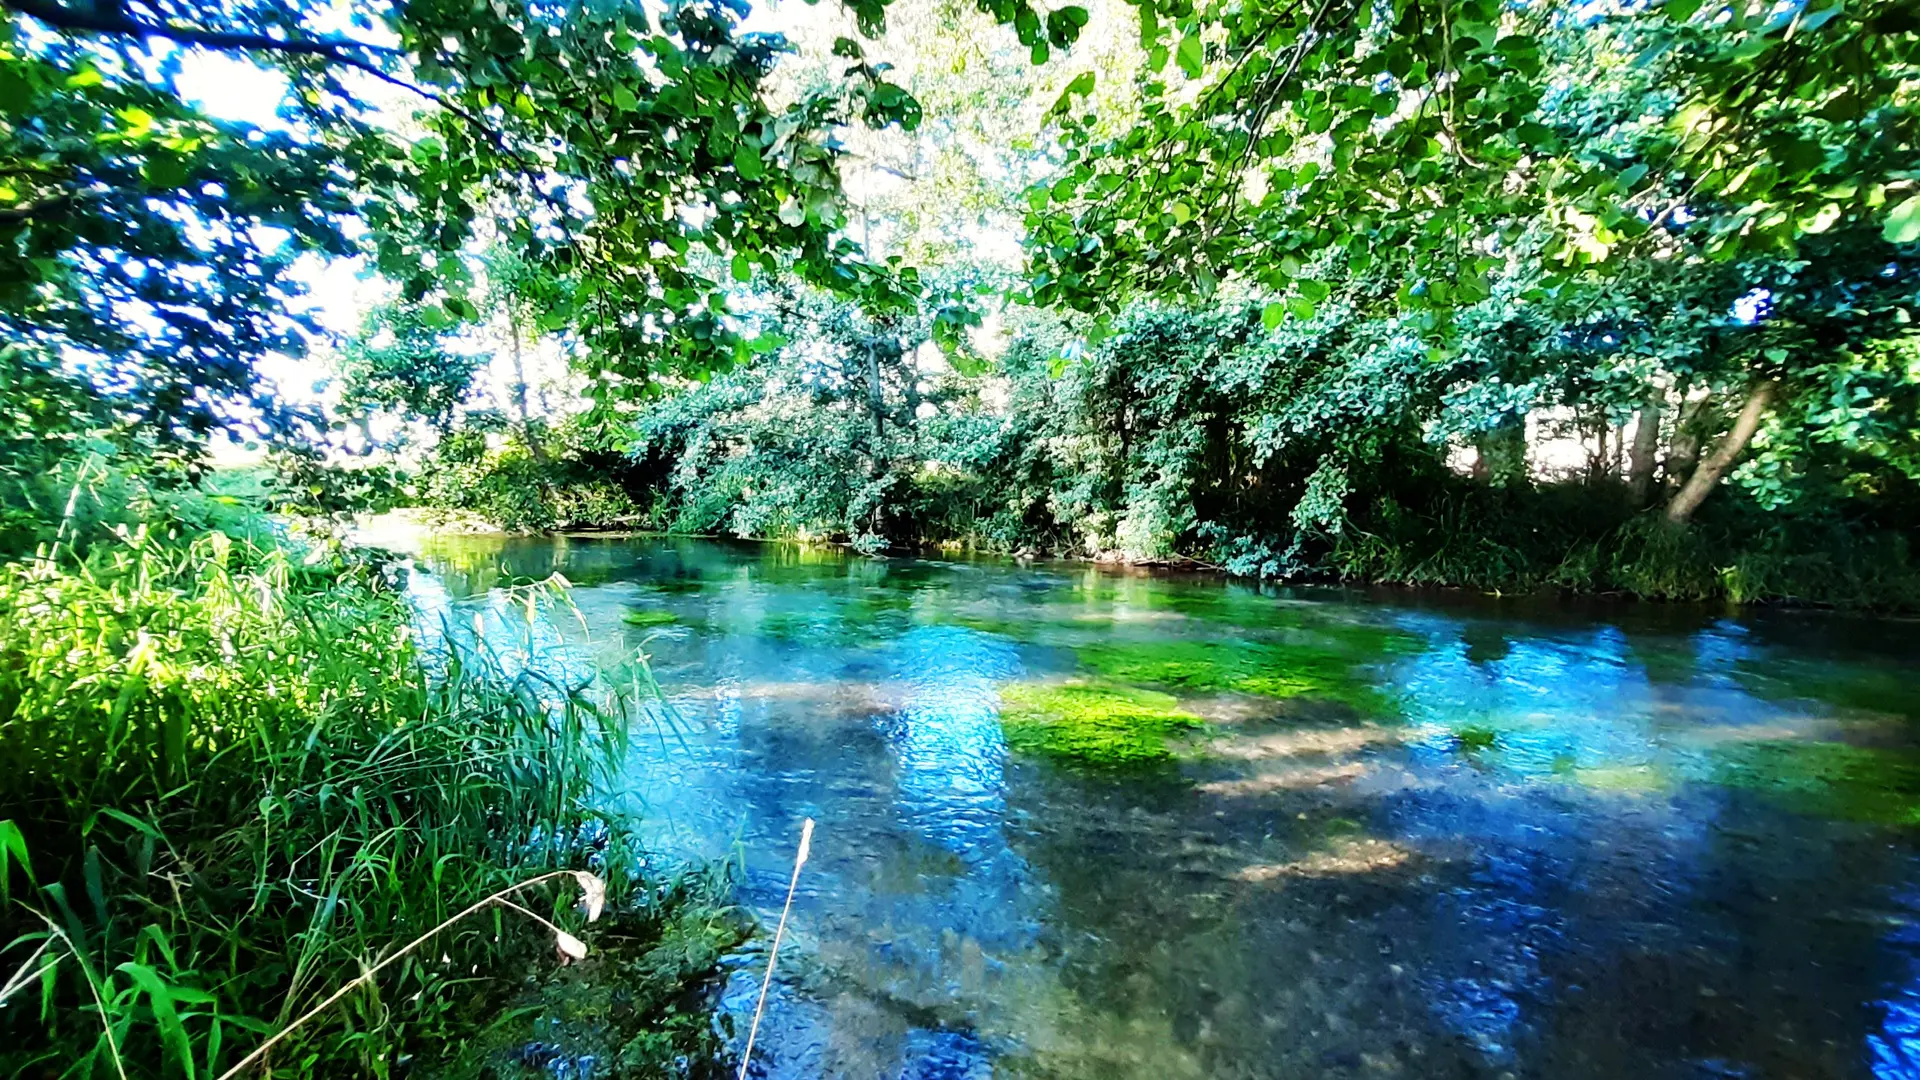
[1826, 779]
[1262, 668]
[649, 617]
[1092, 723]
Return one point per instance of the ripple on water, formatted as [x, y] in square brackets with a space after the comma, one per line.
[1406, 839]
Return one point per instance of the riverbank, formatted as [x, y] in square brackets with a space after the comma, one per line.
[239, 774]
[1640, 558]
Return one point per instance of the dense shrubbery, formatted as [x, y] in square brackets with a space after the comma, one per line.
[234, 775]
[1327, 450]
[566, 480]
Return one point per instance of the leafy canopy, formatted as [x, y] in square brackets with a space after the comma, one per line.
[1434, 139]
[629, 154]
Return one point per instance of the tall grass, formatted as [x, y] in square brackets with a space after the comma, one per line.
[229, 785]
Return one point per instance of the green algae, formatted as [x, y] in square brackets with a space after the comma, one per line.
[1856, 686]
[1827, 779]
[1472, 738]
[1260, 668]
[678, 585]
[1092, 723]
[650, 617]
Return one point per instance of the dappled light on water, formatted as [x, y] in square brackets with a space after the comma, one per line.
[1077, 824]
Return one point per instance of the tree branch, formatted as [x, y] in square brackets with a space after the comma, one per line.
[111, 20]
[11, 214]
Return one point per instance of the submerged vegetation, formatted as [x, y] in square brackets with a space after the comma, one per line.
[1877, 785]
[1263, 669]
[1101, 724]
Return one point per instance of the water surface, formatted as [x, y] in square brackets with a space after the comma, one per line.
[1389, 837]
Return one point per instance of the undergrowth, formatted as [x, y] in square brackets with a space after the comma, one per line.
[232, 778]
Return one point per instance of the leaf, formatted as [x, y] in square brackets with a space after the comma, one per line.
[1273, 315]
[1903, 222]
[1191, 56]
[13, 849]
[746, 161]
[742, 267]
[172, 1033]
[1301, 307]
[1081, 86]
[571, 948]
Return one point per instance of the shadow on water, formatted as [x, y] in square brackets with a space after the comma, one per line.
[1083, 824]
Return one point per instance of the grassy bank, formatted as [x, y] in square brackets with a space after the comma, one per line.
[232, 780]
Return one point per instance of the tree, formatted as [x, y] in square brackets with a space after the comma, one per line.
[1625, 173]
[1426, 135]
[401, 361]
[624, 152]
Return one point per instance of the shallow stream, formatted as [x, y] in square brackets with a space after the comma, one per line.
[1076, 823]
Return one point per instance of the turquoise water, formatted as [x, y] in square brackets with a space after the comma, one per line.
[1366, 835]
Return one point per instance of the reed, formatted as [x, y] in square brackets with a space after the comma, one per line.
[230, 787]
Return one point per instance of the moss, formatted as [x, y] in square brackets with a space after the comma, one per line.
[1092, 723]
[1264, 669]
[1827, 779]
[650, 617]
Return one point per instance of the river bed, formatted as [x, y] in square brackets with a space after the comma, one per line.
[1081, 823]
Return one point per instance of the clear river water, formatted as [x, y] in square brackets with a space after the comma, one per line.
[1081, 823]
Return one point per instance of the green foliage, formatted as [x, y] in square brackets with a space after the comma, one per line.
[304, 482]
[569, 483]
[1092, 723]
[400, 361]
[1320, 449]
[1405, 138]
[239, 778]
[134, 230]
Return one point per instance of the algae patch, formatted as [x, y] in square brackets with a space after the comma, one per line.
[1263, 669]
[1093, 723]
[1827, 779]
[650, 617]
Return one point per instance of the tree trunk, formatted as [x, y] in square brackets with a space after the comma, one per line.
[1599, 459]
[534, 449]
[876, 403]
[1684, 451]
[1725, 453]
[1646, 445]
[1500, 454]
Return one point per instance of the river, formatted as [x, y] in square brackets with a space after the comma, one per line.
[1081, 823]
